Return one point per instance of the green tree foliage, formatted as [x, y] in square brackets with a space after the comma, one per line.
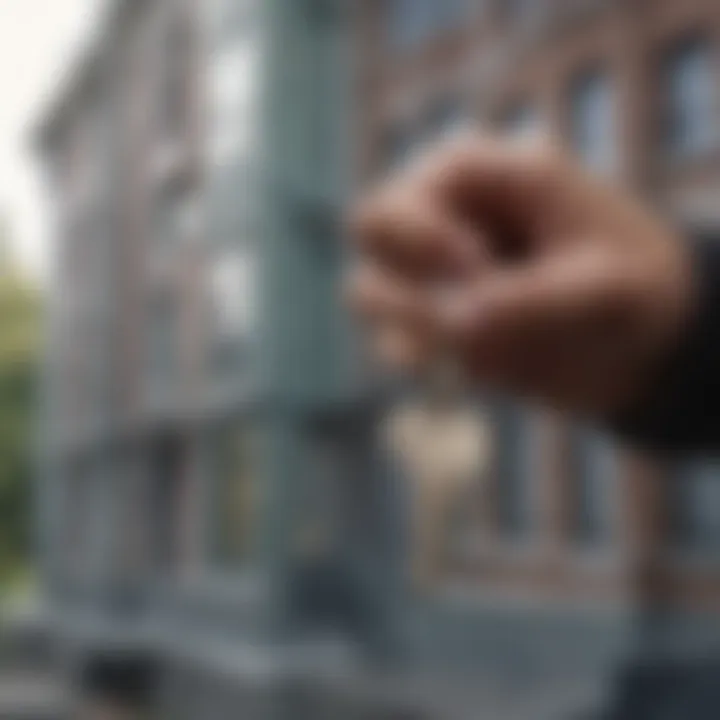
[19, 346]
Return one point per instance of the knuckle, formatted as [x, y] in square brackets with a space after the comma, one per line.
[546, 159]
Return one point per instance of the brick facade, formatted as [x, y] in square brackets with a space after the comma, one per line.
[491, 64]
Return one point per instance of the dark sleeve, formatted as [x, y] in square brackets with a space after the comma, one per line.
[682, 414]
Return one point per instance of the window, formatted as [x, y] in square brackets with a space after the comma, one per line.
[400, 144]
[413, 21]
[234, 307]
[87, 509]
[451, 13]
[77, 521]
[692, 99]
[521, 122]
[177, 74]
[322, 501]
[405, 139]
[523, 11]
[515, 472]
[167, 501]
[178, 215]
[695, 507]
[234, 299]
[444, 117]
[186, 217]
[234, 493]
[234, 86]
[593, 468]
[592, 122]
[162, 343]
[410, 21]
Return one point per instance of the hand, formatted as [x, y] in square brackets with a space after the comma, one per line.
[554, 286]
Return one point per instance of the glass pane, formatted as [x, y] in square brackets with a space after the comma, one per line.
[593, 467]
[696, 507]
[522, 11]
[162, 341]
[234, 310]
[234, 89]
[78, 514]
[232, 288]
[451, 13]
[515, 472]
[692, 98]
[167, 480]
[521, 122]
[593, 122]
[234, 502]
[401, 143]
[410, 21]
[443, 118]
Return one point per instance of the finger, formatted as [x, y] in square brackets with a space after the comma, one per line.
[398, 348]
[379, 296]
[406, 232]
[505, 319]
[494, 179]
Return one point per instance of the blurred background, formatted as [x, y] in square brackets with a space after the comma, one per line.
[212, 503]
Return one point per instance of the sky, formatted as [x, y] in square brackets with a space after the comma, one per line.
[38, 41]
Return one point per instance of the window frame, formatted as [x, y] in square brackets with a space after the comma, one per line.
[583, 86]
[682, 482]
[673, 54]
[523, 425]
[233, 571]
[584, 445]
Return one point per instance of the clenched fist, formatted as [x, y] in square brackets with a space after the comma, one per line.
[539, 279]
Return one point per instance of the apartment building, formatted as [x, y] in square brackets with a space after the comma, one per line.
[214, 494]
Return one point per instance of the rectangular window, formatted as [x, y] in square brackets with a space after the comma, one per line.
[592, 122]
[234, 87]
[162, 344]
[593, 471]
[176, 99]
[524, 12]
[78, 513]
[410, 22]
[234, 309]
[695, 507]
[443, 118]
[515, 468]
[691, 99]
[405, 139]
[521, 121]
[234, 500]
[167, 502]
[400, 144]
[451, 13]
[177, 217]
[87, 523]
